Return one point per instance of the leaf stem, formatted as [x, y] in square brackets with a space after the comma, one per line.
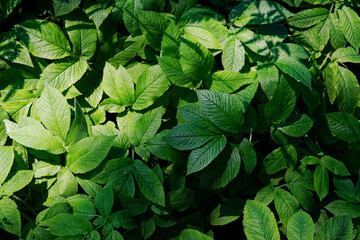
[324, 62]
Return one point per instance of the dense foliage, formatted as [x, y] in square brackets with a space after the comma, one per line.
[164, 119]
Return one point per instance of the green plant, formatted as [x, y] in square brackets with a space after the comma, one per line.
[163, 119]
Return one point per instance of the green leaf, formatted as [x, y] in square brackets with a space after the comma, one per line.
[192, 234]
[118, 84]
[10, 216]
[45, 169]
[201, 157]
[66, 184]
[344, 126]
[300, 226]
[6, 162]
[88, 153]
[78, 129]
[173, 71]
[278, 159]
[149, 183]
[147, 228]
[171, 42]
[345, 55]
[334, 166]
[294, 69]
[188, 136]
[248, 155]
[253, 41]
[153, 26]
[223, 110]
[226, 81]
[63, 73]
[321, 181]
[233, 56]
[35, 137]
[54, 111]
[308, 17]
[66, 224]
[82, 34]
[282, 103]
[259, 222]
[268, 76]
[62, 7]
[226, 213]
[297, 125]
[202, 36]
[130, 14]
[96, 12]
[337, 37]
[16, 182]
[350, 25]
[147, 126]
[337, 228]
[44, 39]
[14, 51]
[341, 207]
[150, 86]
[196, 61]
[104, 201]
[286, 205]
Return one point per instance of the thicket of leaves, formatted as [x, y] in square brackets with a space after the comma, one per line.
[163, 119]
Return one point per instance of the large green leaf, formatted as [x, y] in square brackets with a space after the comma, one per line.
[201, 157]
[10, 216]
[308, 17]
[54, 112]
[131, 11]
[344, 126]
[118, 84]
[335, 166]
[44, 39]
[88, 153]
[350, 25]
[259, 222]
[321, 181]
[253, 41]
[233, 57]
[338, 228]
[286, 205]
[66, 224]
[202, 36]
[36, 137]
[341, 207]
[104, 201]
[222, 109]
[6, 162]
[337, 37]
[196, 61]
[300, 226]
[151, 85]
[149, 183]
[63, 73]
[62, 7]
[16, 182]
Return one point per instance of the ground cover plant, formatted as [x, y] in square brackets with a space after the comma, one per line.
[189, 120]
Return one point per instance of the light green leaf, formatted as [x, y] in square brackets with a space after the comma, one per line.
[196, 61]
[78, 129]
[286, 205]
[308, 17]
[13, 51]
[35, 137]
[268, 76]
[16, 182]
[259, 222]
[11, 215]
[222, 109]
[66, 184]
[345, 55]
[337, 228]
[350, 25]
[253, 41]
[334, 166]
[153, 26]
[88, 153]
[118, 84]
[104, 201]
[201, 157]
[66, 224]
[62, 7]
[96, 12]
[151, 85]
[44, 39]
[173, 71]
[294, 69]
[147, 126]
[337, 37]
[149, 183]
[344, 126]
[63, 73]
[171, 42]
[6, 161]
[290, 50]
[297, 125]
[82, 34]
[321, 181]
[300, 226]
[202, 36]
[130, 14]
[227, 82]
[45, 169]
[54, 111]
[192, 234]
[340, 207]
[233, 56]
[282, 103]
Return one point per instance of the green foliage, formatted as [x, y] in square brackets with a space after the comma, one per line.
[179, 119]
